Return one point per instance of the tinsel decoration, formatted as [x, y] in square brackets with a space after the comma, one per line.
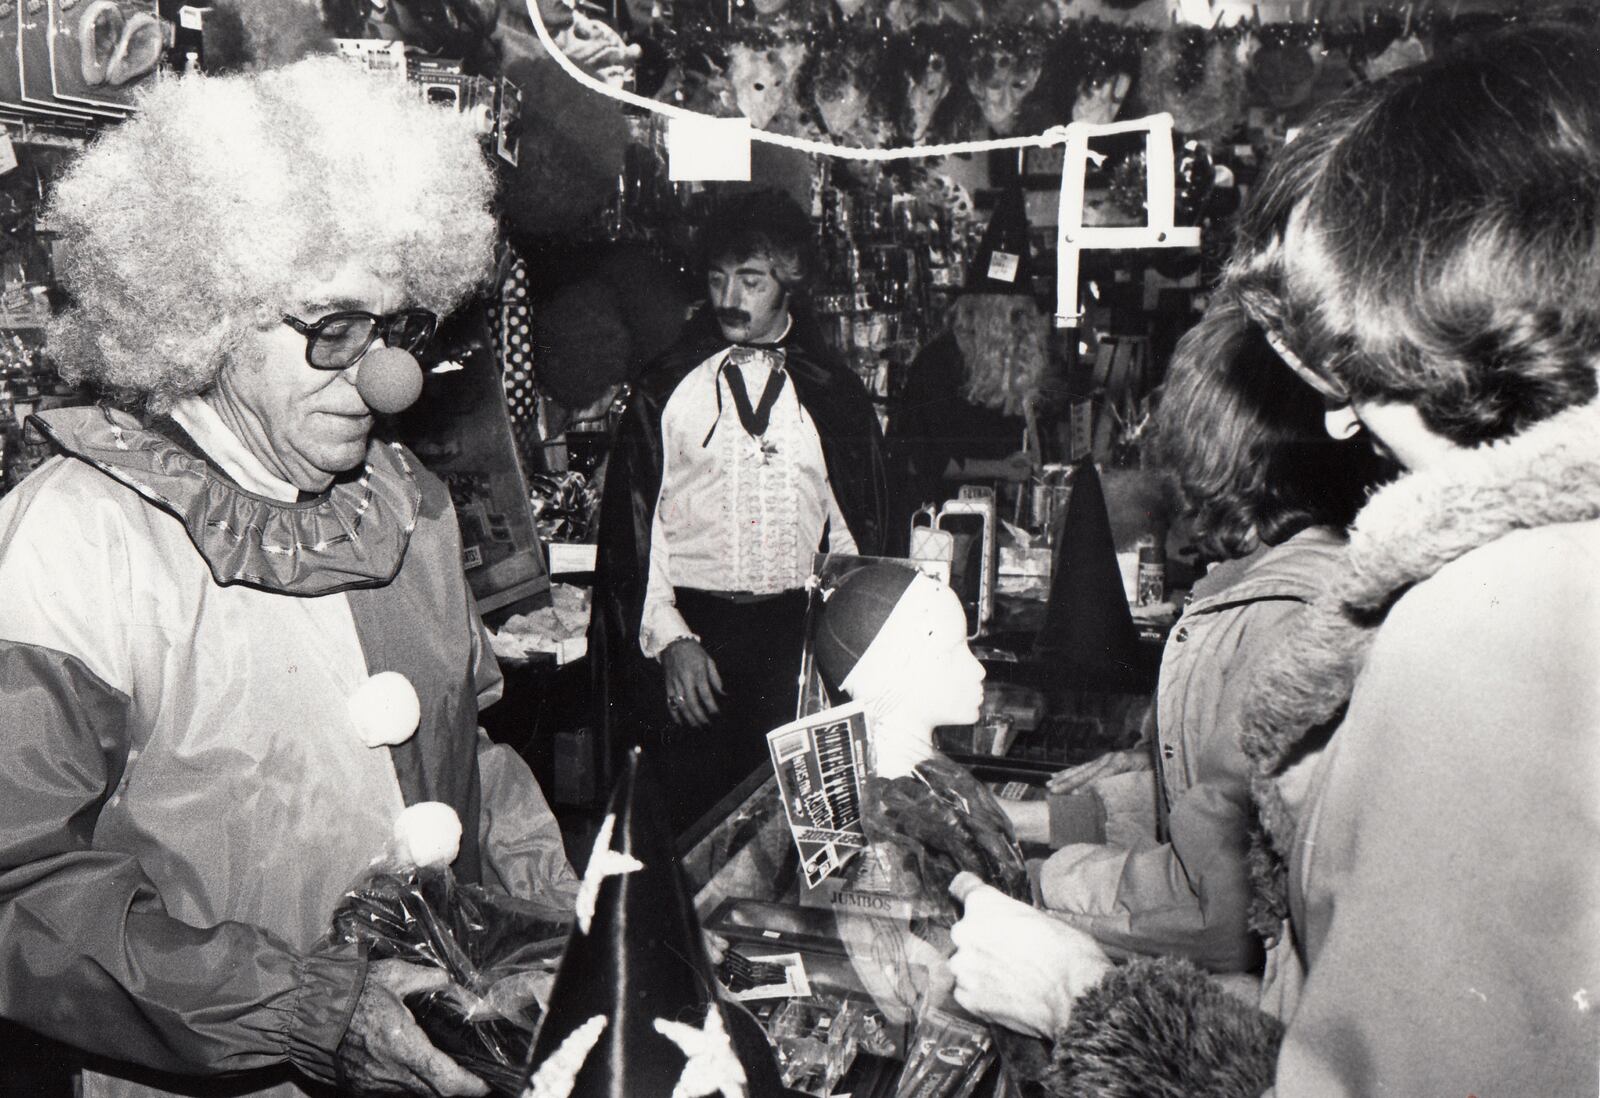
[1195, 177]
[564, 505]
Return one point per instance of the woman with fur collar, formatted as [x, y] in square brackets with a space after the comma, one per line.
[1427, 256]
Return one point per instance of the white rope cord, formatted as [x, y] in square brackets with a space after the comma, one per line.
[1055, 135]
[1072, 236]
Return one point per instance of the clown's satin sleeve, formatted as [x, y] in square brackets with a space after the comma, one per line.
[520, 840]
[88, 951]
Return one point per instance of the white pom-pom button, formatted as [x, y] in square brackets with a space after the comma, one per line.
[427, 835]
[385, 710]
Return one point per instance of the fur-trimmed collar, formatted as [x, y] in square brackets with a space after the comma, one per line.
[1548, 474]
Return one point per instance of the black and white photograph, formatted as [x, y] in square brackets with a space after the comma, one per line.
[783, 548]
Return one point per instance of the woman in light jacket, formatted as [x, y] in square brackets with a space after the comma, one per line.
[1269, 495]
[1427, 748]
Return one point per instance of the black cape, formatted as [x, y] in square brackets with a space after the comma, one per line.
[852, 449]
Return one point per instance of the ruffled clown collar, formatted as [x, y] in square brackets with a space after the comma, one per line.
[353, 535]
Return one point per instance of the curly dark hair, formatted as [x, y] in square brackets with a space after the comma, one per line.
[1436, 242]
[1245, 441]
[764, 221]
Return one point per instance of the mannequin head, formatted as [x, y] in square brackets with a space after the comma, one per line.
[896, 641]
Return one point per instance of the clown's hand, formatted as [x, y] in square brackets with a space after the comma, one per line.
[1015, 965]
[384, 1051]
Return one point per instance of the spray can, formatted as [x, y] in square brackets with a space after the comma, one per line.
[1151, 587]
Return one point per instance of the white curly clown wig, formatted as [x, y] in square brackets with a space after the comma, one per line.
[223, 195]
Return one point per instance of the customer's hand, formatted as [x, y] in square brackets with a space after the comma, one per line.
[1076, 778]
[1014, 964]
[385, 1052]
[692, 683]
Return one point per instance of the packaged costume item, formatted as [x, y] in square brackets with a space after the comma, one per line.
[496, 951]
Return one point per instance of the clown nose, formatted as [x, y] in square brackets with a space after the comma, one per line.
[390, 380]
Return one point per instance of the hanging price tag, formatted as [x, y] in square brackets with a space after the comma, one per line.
[1081, 440]
[1003, 266]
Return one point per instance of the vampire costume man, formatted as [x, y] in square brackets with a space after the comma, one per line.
[743, 492]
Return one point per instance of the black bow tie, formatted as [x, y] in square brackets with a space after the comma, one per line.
[754, 418]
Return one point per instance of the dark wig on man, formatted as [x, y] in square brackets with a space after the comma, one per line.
[1245, 441]
[764, 223]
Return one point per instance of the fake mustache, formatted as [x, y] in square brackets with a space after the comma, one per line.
[730, 317]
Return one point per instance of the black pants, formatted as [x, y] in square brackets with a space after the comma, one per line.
[756, 646]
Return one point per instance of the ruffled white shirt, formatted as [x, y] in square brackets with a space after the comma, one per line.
[735, 513]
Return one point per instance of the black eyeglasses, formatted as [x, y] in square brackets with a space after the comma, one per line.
[337, 341]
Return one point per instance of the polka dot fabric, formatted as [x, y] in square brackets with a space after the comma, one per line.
[514, 332]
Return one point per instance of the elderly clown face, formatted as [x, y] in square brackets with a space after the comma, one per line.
[296, 192]
[304, 423]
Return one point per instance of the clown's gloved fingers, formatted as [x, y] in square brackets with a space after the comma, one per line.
[384, 1051]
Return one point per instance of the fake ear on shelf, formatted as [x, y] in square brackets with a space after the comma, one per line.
[138, 49]
[99, 30]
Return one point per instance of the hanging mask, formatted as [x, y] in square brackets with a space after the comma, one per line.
[841, 100]
[1200, 85]
[925, 91]
[791, 54]
[1196, 175]
[851, 8]
[1282, 76]
[705, 92]
[1100, 98]
[1001, 83]
[758, 83]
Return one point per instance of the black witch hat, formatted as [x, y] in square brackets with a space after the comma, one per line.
[635, 1011]
[1088, 626]
[1003, 264]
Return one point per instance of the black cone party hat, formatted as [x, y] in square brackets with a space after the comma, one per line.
[1002, 264]
[1087, 626]
[635, 1011]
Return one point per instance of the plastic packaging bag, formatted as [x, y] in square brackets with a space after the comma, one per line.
[501, 954]
[935, 822]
